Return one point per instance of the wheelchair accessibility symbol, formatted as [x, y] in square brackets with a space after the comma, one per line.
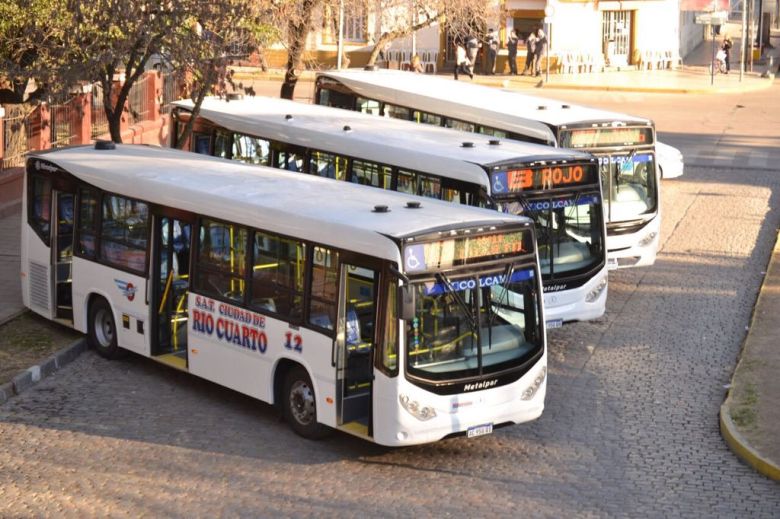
[412, 262]
[498, 182]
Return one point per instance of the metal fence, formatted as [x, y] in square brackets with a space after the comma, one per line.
[18, 129]
[65, 118]
[139, 101]
[170, 92]
[99, 120]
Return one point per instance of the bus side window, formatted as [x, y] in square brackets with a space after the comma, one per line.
[460, 125]
[397, 112]
[429, 186]
[39, 206]
[324, 288]
[367, 106]
[486, 130]
[372, 174]
[278, 275]
[87, 222]
[328, 165]
[426, 118]
[407, 182]
[124, 234]
[222, 145]
[251, 150]
[222, 259]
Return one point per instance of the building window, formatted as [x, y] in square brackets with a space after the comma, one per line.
[355, 24]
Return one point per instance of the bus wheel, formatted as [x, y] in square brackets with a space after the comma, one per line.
[102, 329]
[300, 406]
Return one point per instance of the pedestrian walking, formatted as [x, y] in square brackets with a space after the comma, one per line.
[462, 63]
[511, 47]
[541, 47]
[530, 53]
[492, 51]
[472, 49]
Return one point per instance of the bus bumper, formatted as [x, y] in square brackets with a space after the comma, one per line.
[637, 249]
[457, 414]
[578, 304]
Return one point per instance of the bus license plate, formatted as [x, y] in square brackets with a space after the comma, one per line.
[554, 323]
[612, 264]
[479, 430]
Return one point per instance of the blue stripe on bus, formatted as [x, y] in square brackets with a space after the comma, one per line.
[434, 288]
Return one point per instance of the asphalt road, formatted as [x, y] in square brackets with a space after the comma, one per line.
[630, 429]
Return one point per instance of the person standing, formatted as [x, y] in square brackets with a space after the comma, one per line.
[511, 46]
[492, 51]
[541, 47]
[727, 44]
[472, 49]
[530, 53]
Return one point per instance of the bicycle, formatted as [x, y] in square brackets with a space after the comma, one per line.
[719, 63]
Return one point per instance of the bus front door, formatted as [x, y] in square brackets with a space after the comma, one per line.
[170, 287]
[62, 255]
[357, 319]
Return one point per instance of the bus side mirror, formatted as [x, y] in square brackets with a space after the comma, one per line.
[406, 302]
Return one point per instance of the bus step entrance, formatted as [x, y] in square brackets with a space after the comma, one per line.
[176, 360]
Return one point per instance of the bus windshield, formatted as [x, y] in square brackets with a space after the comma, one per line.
[629, 184]
[568, 230]
[474, 325]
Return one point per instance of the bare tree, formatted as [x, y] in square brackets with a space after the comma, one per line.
[400, 18]
[295, 20]
[202, 55]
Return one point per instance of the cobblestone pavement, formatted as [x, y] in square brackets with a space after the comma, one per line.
[630, 429]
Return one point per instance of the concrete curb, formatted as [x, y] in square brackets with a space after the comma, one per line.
[740, 447]
[735, 440]
[27, 379]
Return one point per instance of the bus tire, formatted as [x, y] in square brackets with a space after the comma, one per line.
[300, 405]
[102, 331]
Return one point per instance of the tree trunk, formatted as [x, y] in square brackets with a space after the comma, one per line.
[297, 45]
[201, 95]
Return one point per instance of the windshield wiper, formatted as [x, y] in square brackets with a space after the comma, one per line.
[463, 306]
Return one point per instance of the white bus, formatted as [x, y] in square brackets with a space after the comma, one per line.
[394, 318]
[625, 145]
[558, 188]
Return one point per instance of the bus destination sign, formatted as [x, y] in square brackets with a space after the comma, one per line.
[542, 178]
[606, 137]
[464, 250]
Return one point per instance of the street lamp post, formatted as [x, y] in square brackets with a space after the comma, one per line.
[340, 46]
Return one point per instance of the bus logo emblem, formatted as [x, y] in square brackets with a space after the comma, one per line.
[128, 289]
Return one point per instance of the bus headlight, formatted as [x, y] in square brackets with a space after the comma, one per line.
[597, 290]
[647, 239]
[422, 413]
[531, 390]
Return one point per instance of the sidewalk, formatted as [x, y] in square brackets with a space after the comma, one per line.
[692, 78]
[10, 283]
[750, 416]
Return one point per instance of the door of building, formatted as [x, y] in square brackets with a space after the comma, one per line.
[616, 36]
